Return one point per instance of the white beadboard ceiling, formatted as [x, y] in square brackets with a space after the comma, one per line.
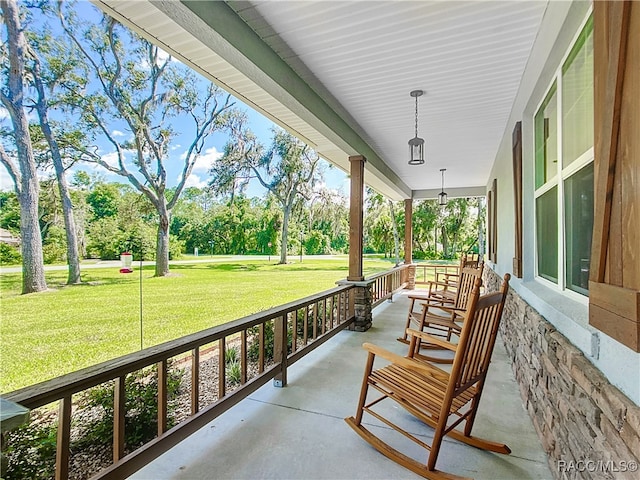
[362, 58]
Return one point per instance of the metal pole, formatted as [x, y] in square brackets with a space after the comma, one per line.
[141, 301]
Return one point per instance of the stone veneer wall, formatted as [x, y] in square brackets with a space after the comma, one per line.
[588, 427]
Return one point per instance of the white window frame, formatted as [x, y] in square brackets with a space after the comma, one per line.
[558, 179]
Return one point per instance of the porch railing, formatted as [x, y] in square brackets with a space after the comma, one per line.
[385, 284]
[282, 335]
[430, 271]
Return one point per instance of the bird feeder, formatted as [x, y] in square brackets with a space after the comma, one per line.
[126, 261]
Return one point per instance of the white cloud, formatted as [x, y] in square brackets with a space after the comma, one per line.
[206, 161]
[163, 56]
[6, 183]
[111, 158]
[118, 133]
[194, 181]
[4, 113]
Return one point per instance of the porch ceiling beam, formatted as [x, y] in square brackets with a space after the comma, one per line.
[219, 27]
[457, 192]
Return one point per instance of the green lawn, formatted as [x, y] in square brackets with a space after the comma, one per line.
[67, 328]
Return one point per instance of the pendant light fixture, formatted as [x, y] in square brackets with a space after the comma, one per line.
[442, 196]
[416, 144]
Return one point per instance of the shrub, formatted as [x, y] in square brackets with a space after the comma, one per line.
[31, 452]
[141, 418]
[176, 248]
[54, 248]
[9, 255]
[234, 372]
[230, 355]
[253, 352]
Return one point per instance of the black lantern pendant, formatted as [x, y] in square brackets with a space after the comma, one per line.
[416, 144]
[442, 196]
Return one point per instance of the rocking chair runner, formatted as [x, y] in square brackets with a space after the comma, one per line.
[441, 399]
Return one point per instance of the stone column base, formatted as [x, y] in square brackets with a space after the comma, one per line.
[362, 303]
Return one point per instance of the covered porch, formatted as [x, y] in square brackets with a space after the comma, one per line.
[299, 431]
[579, 382]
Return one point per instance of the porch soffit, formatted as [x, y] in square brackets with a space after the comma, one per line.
[338, 75]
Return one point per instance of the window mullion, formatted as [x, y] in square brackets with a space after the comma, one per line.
[562, 251]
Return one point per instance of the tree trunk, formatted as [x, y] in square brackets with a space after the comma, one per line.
[162, 247]
[445, 243]
[396, 238]
[285, 231]
[73, 257]
[28, 189]
[31, 241]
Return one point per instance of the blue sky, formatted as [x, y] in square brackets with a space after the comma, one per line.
[334, 177]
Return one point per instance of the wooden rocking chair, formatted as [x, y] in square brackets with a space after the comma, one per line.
[446, 284]
[440, 399]
[444, 289]
[442, 319]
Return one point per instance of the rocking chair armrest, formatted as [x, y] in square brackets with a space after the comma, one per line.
[406, 362]
[451, 311]
[419, 296]
[431, 339]
[441, 284]
[448, 277]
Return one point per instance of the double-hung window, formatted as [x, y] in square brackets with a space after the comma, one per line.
[564, 170]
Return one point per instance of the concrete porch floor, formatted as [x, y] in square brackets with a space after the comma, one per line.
[298, 432]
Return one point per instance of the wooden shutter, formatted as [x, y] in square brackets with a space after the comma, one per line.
[492, 224]
[516, 141]
[614, 287]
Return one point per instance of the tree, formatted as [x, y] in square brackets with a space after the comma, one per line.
[145, 89]
[378, 223]
[459, 226]
[328, 213]
[424, 220]
[288, 169]
[9, 212]
[41, 104]
[24, 175]
[394, 225]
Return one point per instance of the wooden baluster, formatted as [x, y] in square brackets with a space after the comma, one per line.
[119, 411]
[261, 352]
[315, 320]
[243, 357]
[280, 349]
[195, 380]
[333, 306]
[64, 437]
[162, 397]
[305, 327]
[294, 333]
[222, 369]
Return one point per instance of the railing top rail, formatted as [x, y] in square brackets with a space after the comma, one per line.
[49, 391]
[386, 272]
[374, 277]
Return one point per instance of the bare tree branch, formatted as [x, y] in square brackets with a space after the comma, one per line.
[12, 169]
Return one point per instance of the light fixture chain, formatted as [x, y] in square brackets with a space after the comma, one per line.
[416, 116]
